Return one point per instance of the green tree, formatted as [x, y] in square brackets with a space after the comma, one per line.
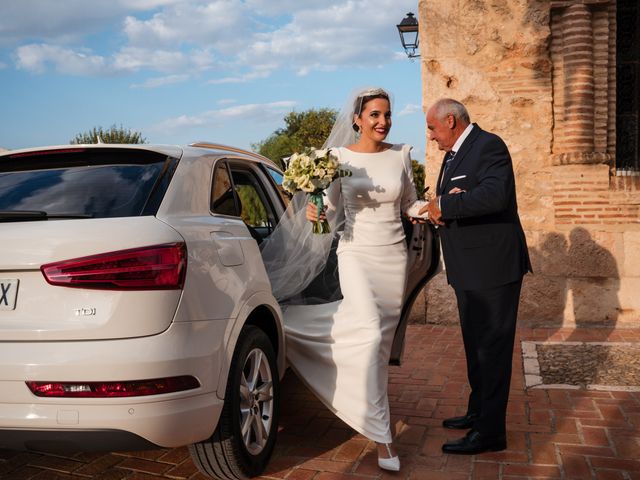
[113, 134]
[418, 176]
[253, 211]
[302, 129]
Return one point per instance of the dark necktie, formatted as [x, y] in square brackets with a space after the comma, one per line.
[448, 161]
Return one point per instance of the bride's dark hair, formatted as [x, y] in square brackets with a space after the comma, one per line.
[363, 99]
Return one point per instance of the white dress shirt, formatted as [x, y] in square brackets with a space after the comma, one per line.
[456, 146]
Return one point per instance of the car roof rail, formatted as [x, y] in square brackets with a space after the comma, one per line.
[219, 146]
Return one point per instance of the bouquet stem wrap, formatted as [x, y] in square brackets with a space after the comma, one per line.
[319, 226]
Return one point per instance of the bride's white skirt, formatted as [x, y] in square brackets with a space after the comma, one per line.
[341, 350]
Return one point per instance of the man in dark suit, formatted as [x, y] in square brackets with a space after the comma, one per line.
[485, 255]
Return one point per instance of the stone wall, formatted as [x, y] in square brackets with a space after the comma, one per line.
[537, 74]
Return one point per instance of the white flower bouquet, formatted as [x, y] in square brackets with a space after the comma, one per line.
[312, 171]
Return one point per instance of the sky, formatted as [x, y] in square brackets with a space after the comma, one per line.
[180, 71]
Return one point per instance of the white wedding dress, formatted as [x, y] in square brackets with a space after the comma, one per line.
[340, 350]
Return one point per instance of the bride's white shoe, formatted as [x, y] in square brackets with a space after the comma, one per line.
[391, 463]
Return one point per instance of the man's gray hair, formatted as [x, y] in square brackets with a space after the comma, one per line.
[449, 106]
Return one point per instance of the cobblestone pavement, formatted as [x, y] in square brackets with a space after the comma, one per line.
[553, 434]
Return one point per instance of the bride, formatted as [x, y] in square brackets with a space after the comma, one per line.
[341, 349]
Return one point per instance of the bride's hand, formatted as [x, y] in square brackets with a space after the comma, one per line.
[312, 213]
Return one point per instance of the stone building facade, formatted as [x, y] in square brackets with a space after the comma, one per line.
[558, 81]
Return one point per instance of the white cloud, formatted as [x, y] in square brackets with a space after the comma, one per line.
[287, 7]
[243, 78]
[261, 111]
[226, 101]
[247, 110]
[220, 24]
[352, 33]
[65, 21]
[148, 4]
[135, 59]
[37, 57]
[401, 55]
[248, 39]
[223, 80]
[161, 81]
[410, 109]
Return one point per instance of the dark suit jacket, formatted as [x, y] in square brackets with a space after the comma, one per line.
[482, 242]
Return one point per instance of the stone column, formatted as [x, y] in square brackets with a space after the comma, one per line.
[580, 54]
[579, 82]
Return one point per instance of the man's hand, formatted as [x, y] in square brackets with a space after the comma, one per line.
[416, 220]
[432, 208]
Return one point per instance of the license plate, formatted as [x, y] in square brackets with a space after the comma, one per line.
[8, 293]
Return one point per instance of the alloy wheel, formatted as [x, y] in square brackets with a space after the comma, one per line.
[256, 401]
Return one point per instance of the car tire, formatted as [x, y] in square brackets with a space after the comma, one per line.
[243, 441]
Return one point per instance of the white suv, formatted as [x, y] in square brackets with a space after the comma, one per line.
[135, 310]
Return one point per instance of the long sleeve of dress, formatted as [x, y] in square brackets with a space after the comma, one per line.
[332, 195]
[333, 201]
[410, 204]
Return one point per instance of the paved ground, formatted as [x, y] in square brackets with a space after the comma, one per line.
[553, 434]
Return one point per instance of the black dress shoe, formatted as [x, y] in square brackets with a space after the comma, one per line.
[475, 442]
[462, 423]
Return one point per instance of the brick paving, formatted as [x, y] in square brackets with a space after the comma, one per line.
[553, 434]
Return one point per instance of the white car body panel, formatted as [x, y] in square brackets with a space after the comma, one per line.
[260, 299]
[168, 420]
[134, 335]
[45, 312]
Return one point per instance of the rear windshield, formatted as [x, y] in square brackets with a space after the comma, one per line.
[78, 183]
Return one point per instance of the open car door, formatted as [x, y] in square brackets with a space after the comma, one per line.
[423, 263]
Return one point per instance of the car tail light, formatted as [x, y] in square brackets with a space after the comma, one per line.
[160, 267]
[137, 388]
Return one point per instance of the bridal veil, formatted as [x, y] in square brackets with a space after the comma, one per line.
[300, 264]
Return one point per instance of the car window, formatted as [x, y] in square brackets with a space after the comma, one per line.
[223, 198]
[255, 210]
[95, 183]
[278, 178]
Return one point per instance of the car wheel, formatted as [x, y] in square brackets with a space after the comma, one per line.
[243, 441]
